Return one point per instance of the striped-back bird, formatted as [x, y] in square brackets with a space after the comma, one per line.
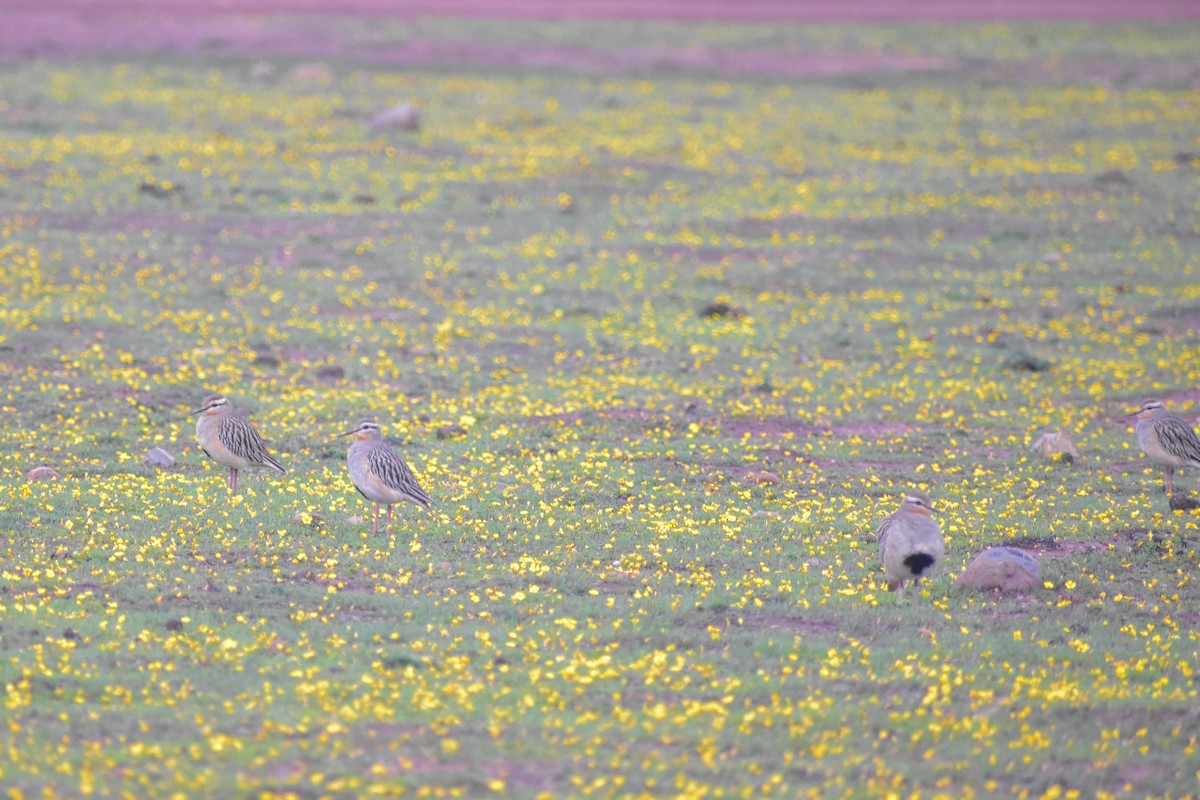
[1167, 439]
[379, 473]
[230, 439]
[910, 543]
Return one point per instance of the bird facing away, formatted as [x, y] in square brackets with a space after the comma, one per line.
[910, 543]
[379, 473]
[230, 439]
[1168, 440]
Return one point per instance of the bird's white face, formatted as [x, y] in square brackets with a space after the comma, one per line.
[213, 404]
[365, 429]
[917, 504]
[1149, 409]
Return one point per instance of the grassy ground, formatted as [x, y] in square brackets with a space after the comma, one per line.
[651, 567]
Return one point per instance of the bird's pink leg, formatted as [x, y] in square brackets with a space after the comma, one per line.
[375, 530]
[389, 520]
[232, 481]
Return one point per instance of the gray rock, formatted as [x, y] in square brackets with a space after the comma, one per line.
[1056, 444]
[157, 457]
[261, 70]
[1006, 569]
[330, 373]
[451, 431]
[1024, 361]
[40, 474]
[311, 72]
[1181, 502]
[399, 117]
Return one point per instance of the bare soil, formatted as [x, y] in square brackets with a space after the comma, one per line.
[57, 28]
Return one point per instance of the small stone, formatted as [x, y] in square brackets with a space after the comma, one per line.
[157, 457]
[1006, 569]
[1024, 361]
[309, 518]
[160, 191]
[330, 373]
[451, 431]
[40, 474]
[1113, 178]
[1056, 444]
[261, 70]
[1181, 502]
[762, 478]
[312, 72]
[718, 310]
[402, 117]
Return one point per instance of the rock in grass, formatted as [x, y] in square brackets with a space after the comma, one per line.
[761, 478]
[311, 72]
[401, 117]
[41, 475]
[1024, 361]
[1113, 179]
[718, 310]
[330, 372]
[451, 431]
[261, 70]
[1056, 444]
[1181, 502]
[309, 518]
[157, 457]
[1005, 569]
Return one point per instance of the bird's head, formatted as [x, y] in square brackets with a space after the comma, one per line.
[213, 404]
[1149, 408]
[917, 503]
[365, 429]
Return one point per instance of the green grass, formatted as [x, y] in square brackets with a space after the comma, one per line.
[610, 598]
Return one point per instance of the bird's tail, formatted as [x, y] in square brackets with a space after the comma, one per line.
[418, 496]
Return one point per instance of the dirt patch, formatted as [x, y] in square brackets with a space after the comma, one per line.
[769, 620]
[709, 10]
[564, 418]
[59, 28]
[1187, 395]
[775, 426]
[798, 625]
[1065, 548]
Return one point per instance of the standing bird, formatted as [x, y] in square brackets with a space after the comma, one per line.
[910, 543]
[1167, 440]
[230, 439]
[379, 473]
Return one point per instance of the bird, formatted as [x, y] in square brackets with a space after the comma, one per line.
[1167, 439]
[230, 439]
[379, 473]
[910, 543]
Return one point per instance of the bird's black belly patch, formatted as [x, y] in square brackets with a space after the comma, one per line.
[918, 562]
